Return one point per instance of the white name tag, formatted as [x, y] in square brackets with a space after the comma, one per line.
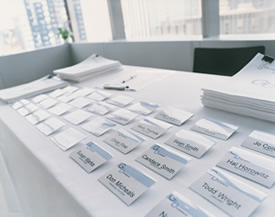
[228, 193]
[48, 102]
[120, 100]
[99, 95]
[173, 115]
[78, 116]
[162, 161]
[17, 105]
[38, 116]
[68, 138]
[126, 182]
[101, 108]
[98, 126]
[50, 126]
[151, 127]
[215, 128]
[190, 143]
[90, 156]
[122, 116]
[123, 140]
[60, 109]
[261, 142]
[81, 102]
[175, 205]
[249, 165]
[144, 108]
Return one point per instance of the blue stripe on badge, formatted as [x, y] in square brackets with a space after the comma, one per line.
[99, 150]
[159, 150]
[140, 177]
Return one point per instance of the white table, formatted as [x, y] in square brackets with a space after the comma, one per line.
[49, 184]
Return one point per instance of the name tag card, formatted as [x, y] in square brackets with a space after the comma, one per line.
[40, 98]
[249, 165]
[60, 109]
[122, 116]
[126, 182]
[144, 108]
[68, 138]
[123, 140]
[120, 100]
[151, 127]
[162, 161]
[70, 89]
[67, 97]
[50, 126]
[190, 143]
[98, 126]
[47, 103]
[57, 93]
[261, 142]
[84, 91]
[234, 197]
[90, 156]
[214, 128]
[37, 116]
[17, 105]
[80, 102]
[173, 115]
[24, 101]
[78, 116]
[23, 111]
[31, 107]
[101, 108]
[175, 205]
[99, 95]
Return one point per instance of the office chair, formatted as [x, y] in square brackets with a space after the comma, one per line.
[223, 61]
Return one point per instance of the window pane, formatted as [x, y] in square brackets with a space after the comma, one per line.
[30, 24]
[163, 19]
[96, 20]
[247, 17]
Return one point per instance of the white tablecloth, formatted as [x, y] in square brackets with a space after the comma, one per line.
[50, 184]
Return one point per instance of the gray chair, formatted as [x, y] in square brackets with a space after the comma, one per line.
[223, 61]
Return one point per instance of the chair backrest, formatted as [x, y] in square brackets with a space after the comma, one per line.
[223, 61]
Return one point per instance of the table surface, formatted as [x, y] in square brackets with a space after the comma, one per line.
[49, 183]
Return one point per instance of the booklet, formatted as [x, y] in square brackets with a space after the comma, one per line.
[126, 182]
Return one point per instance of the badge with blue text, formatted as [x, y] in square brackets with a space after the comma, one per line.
[90, 156]
[126, 182]
[175, 205]
[231, 195]
[163, 161]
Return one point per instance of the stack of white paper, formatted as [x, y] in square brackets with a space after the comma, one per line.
[91, 66]
[250, 92]
[33, 88]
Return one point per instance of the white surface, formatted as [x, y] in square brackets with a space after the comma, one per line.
[51, 184]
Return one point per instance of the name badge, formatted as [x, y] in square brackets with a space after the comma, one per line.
[231, 195]
[120, 100]
[122, 116]
[214, 128]
[162, 161]
[177, 206]
[173, 115]
[90, 157]
[190, 143]
[249, 165]
[151, 127]
[123, 140]
[261, 142]
[144, 108]
[126, 182]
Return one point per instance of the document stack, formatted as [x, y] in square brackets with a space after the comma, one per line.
[89, 67]
[251, 92]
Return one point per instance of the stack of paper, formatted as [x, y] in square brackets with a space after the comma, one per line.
[33, 88]
[250, 92]
[91, 66]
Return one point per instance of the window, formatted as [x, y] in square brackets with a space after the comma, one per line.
[153, 19]
[30, 24]
[247, 17]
